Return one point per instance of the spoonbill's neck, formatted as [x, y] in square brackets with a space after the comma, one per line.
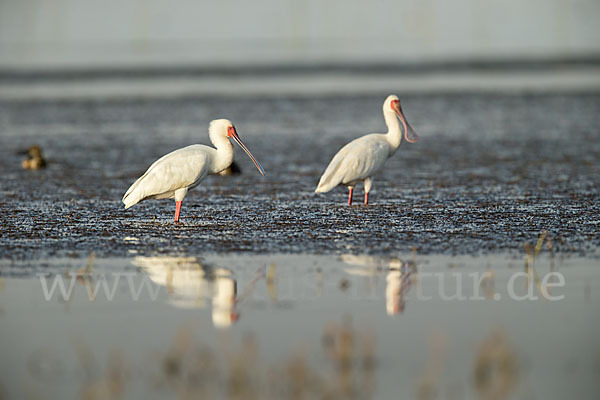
[394, 133]
[223, 155]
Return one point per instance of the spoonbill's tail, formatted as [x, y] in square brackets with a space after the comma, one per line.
[132, 196]
[323, 188]
[330, 178]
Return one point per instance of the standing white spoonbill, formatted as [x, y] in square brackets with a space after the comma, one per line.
[172, 175]
[360, 159]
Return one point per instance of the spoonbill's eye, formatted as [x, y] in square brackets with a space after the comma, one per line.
[394, 104]
[231, 131]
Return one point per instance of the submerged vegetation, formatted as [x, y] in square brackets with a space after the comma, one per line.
[345, 367]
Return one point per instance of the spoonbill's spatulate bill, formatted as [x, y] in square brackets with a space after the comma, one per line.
[174, 174]
[360, 159]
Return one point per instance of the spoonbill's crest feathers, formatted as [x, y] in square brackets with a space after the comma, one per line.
[387, 104]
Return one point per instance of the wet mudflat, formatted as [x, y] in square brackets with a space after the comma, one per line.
[490, 172]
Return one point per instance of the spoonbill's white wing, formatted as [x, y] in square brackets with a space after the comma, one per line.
[359, 159]
[183, 168]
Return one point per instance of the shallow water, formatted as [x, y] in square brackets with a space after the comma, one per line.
[269, 325]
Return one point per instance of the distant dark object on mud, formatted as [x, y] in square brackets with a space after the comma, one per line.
[233, 169]
[34, 159]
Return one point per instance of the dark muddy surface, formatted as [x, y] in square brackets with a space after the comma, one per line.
[490, 173]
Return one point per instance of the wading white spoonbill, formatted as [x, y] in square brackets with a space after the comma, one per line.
[172, 175]
[360, 159]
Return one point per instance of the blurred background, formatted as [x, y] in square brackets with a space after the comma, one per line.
[385, 37]
[74, 33]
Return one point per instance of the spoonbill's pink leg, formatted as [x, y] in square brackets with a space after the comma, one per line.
[368, 183]
[177, 210]
[350, 196]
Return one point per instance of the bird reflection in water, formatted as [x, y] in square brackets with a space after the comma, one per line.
[192, 284]
[398, 277]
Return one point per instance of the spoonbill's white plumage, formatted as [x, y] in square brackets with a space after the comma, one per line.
[172, 175]
[363, 157]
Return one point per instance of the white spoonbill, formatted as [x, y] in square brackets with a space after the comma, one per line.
[363, 157]
[172, 175]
